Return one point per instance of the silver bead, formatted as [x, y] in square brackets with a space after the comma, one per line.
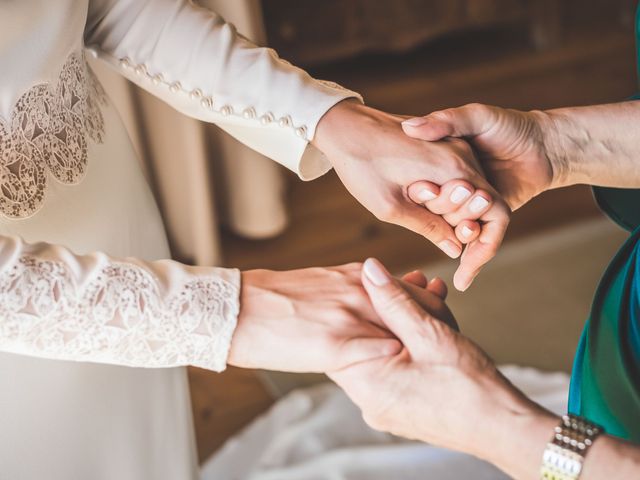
[249, 113]
[207, 102]
[141, 70]
[175, 87]
[125, 62]
[266, 119]
[301, 131]
[226, 110]
[284, 121]
[157, 79]
[195, 94]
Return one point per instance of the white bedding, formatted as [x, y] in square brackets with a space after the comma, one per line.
[318, 434]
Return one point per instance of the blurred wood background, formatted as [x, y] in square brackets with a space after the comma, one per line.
[412, 57]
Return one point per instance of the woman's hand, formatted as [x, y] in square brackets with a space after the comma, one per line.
[512, 146]
[377, 163]
[313, 320]
[441, 388]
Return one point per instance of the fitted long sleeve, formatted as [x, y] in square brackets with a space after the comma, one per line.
[191, 59]
[58, 305]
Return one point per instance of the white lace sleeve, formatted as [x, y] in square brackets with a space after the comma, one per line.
[58, 305]
[195, 61]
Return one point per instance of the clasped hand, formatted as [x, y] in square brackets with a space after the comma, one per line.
[395, 177]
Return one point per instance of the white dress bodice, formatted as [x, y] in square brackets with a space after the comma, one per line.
[84, 292]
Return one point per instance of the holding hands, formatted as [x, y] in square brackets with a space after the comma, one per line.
[512, 146]
[378, 163]
[441, 388]
[316, 320]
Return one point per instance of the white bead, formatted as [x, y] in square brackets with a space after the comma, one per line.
[157, 79]
[267, 118]
[249, 113]
[92, 52]
[141, 70]
[175, 87]
[195, 94]
[285, 121]
[226, 110]
[125, 62]
[301, 131]
[207, 102]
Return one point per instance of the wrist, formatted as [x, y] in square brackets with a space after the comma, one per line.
[516, 433]
[552, 126]
[335, 131]
[255, 297]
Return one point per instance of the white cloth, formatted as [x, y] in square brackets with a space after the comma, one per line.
[318, 434]
[70, 185]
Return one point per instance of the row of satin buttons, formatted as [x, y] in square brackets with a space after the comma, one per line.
[207, 102]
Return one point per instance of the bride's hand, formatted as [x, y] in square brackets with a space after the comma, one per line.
[377, 163]
[312, 320]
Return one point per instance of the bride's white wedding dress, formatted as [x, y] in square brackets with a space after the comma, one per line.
[69, 177]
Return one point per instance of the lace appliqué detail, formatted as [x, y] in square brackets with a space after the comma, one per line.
[47, 132]
[117, 317]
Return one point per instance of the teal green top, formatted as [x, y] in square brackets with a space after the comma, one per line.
[605, 382]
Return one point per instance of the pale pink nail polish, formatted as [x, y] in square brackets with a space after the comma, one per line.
[426, 195]
[478, 204]
[466, 231]
[459, 195]
[450, 248]
[375, 272]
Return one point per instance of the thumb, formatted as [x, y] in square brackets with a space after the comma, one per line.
[466, 121]
[395, 306]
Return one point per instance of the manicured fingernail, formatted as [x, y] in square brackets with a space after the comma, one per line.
[415, 122]
[466, 231]
[450, 248]
[426, 195]
[375, 272]
[459, 195]
[478, 204]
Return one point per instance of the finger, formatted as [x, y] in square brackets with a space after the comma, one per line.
[357, 350]
[476, 206]
[416, 278]
[485, 247]
[453, 195]
[467, 231]
[402, 315]
[430, 301]
[432, 227]
[465, 121]
[438, 287]
[423, 191]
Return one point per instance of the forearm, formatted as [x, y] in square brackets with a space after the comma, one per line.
[520, 437]
[595, 145]
[95, 308]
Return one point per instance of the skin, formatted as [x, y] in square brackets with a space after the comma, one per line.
[377, 163]
[525, 153]
[441, 388]
[314, 320]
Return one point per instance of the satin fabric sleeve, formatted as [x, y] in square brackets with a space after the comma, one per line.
[95, 308]
[193, 60]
